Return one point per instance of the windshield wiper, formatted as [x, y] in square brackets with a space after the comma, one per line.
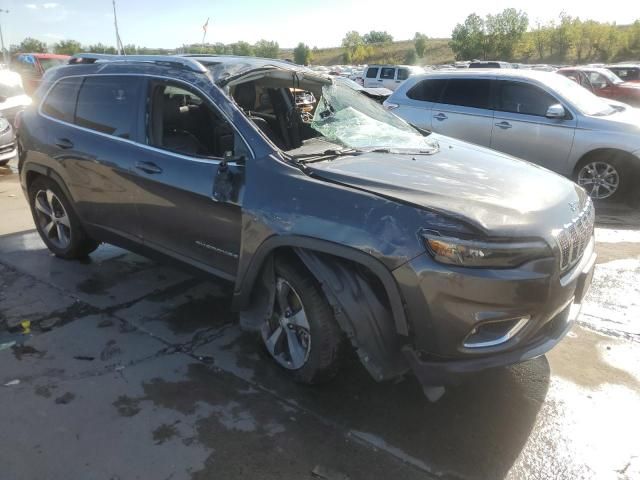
[405, 151]
[331, 153]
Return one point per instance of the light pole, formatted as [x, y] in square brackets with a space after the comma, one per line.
[4, 52]
[119, 45]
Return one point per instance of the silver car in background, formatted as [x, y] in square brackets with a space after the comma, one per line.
[538, 116]
[8, 149]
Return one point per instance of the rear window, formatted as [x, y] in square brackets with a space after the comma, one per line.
[427, 90]
[61, 101]
[484, 65]
[467, 92]
[372, 72]
[627, 73]
[108, 104]
[403, 74]
[388, 73]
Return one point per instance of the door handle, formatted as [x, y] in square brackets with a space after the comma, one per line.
[504, 125]
[64, 143]
[148, 167]
[379, 80]
[440, 117]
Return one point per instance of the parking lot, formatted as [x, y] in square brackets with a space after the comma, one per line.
[118, 367]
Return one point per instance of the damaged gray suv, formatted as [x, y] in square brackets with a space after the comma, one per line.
[344, 228]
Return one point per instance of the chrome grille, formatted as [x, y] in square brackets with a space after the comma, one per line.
[574, 237]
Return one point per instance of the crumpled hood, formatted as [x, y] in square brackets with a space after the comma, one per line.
[497, 193]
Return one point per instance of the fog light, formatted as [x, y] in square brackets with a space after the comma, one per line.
[494, 333]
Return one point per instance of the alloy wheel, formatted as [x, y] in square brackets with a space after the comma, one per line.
[52, 218]
[601, 180]
[286, 333]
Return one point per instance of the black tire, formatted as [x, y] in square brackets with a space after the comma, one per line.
[624, 174]
[79, 243]
[327, 341]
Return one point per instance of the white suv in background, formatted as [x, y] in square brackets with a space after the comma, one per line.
[389, 76]
[538, 116]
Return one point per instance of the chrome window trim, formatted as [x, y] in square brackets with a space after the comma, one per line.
[500, 340]
[132, 142]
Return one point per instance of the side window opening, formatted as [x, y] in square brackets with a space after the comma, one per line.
[60, 103]
[274, 110]
[372, 72]
[427, 90]
[108, 104]
[388, 73]
[403, 74]
[468, 92]
[181, 121]
[517, 97]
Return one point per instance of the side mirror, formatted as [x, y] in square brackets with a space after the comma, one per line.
[556, 111]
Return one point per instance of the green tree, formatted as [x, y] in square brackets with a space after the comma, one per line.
[504, 32]
[242, 49]
[468, 40]
[410, 57]
[541, 39]
[561, 38]
[99, 48]
[302, 54]
[420, 42]
[266, 49]
[377, 37]
[67, 47]
[351, 41]
[29, 45]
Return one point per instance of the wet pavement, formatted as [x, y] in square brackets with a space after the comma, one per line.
[119, 367]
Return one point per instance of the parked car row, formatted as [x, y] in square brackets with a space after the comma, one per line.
[538, 116]
[423, 253]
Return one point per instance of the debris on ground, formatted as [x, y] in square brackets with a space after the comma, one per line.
[325, 473]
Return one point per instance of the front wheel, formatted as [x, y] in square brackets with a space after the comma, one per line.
[603, 179]
[301, 334]
[56, 222]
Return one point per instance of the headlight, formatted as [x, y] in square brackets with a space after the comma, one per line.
[4, 125]
[491, 254]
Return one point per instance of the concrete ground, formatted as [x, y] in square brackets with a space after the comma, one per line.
[121, 368]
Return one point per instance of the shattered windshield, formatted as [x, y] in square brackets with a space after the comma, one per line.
[347, 117]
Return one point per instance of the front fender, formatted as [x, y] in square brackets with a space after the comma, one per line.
[361, 314]
[245, 284]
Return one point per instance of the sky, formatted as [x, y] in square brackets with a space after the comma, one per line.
[321, 23]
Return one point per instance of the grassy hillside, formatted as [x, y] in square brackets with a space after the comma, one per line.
[437, 52]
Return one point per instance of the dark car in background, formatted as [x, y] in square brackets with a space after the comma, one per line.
[31, 66]
[626, 72]
[604, 83]
[421, 252]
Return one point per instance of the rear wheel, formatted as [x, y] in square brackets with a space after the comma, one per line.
[56, 222]
[301, 334]
[603, 178]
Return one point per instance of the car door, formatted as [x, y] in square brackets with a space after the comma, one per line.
[94, 124]
[387, 78]
[415, 104]
[191, 179]
[401, 75]
[521, 128]
[371, 77]
[602, 87]
[464, 110]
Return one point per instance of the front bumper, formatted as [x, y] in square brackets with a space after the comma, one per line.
[445, 304]
[8, 151]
